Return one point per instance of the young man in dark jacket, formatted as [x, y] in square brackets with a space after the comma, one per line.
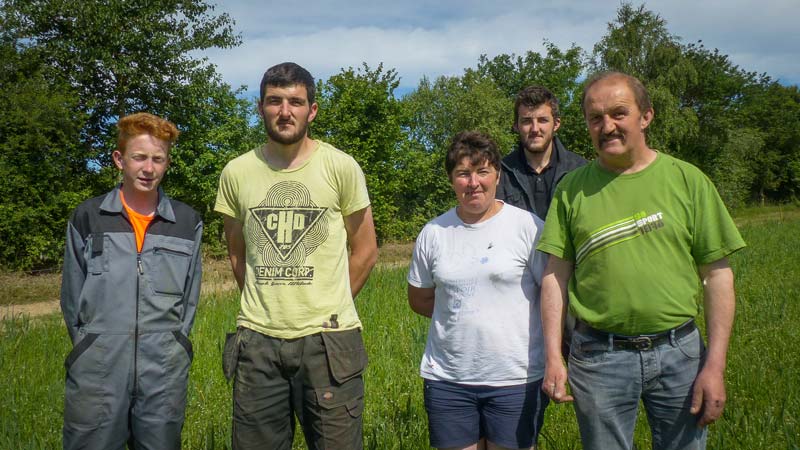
[131, 281]
[531, 172]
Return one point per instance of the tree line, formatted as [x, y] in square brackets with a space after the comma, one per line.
[69, 70]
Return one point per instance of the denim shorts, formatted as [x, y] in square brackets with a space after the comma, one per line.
[460, 414]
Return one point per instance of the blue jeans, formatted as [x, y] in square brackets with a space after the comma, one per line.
[607, 384]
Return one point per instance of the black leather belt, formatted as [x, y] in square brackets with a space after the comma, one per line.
[622, 342]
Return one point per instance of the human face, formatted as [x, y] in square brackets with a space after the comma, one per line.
[616, 124]
[475, 187]
[143, 162]
[286, 113]
[536, 127]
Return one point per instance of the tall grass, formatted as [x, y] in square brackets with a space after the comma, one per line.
[763, 376]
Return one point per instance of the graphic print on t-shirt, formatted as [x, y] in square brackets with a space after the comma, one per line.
[637, 225]
[286, 228]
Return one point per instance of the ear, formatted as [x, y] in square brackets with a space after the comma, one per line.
[515, 127]
[647, 117]
[556, 124]
[117, 157]
[260, 109]
[312, 113]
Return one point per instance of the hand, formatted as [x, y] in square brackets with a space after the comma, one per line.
[708, 397]
[554, 383]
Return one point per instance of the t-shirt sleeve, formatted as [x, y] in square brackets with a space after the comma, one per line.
[354, 195]
[715, 235]
[536, 260]
[420, 272]
[556, 238]
[227, 195]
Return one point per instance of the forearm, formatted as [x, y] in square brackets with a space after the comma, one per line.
[234, 236]
[421, 300]
[360, 265]
[553, 306]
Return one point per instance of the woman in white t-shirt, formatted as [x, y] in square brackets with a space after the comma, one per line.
[476, 273]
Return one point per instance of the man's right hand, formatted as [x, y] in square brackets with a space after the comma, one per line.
[554, 383]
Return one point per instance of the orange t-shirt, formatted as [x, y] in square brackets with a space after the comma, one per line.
[140, 222]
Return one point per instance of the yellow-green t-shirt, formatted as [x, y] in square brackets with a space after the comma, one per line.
[296, 274]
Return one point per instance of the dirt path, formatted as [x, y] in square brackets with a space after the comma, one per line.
[38, 309]
[31, 309]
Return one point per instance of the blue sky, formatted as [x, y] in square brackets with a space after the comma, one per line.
[418, 38]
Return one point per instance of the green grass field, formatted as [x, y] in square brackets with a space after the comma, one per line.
[763, 375]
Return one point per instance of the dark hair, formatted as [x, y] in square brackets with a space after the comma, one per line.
[535, 96]
[640, 94]
[288, 74]
[476, 146]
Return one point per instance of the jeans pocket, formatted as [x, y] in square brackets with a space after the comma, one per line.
[347, 357]
[692, 345]
[584, 349]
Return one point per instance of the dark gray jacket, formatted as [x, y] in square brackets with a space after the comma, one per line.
[129, 315]
[514, 187]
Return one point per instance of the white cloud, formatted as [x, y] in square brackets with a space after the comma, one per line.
[442, 38]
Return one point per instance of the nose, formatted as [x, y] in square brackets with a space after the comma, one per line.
[473, 180]
[283, 111]
[148, 165]
[608, 125]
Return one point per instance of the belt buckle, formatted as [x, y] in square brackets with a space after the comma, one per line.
[642, 343]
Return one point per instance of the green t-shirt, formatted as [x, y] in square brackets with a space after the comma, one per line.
[636, 241]
[296, 245]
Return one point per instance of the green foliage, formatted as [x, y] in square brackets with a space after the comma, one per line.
[41, 165]
[359, 114]
[121, 56]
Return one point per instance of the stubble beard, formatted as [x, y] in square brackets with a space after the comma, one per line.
[283, 139]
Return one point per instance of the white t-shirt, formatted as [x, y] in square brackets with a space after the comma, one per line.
[486, 325]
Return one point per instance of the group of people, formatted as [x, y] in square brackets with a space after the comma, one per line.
[551, 272]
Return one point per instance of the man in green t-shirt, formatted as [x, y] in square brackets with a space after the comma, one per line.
[301, 242]
[632, 236]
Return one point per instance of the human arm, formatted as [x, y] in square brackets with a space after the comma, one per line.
[191, 293]
[553, 304]
[234, 236]
[719, 301]
[363, 247]
[421, 300]
[73, 275]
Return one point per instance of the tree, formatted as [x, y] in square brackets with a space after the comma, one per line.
[41, 163]
[119, 56]
[359, 114]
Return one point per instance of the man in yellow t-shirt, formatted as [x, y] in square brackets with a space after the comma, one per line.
[301, 242]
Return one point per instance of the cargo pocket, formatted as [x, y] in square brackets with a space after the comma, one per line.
[340, 409]
[347, 357]
[170, 268]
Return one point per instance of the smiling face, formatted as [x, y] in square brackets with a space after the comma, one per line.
[536, 127]
[616, 124]
[475, 187]
[144, 161]
[286, 113]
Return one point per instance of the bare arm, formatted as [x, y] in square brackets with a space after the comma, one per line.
[234, 235]
[421, 300]
[720, 304]
[363, 247]
[554, 301]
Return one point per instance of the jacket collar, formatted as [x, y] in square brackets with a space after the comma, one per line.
[112, 203]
